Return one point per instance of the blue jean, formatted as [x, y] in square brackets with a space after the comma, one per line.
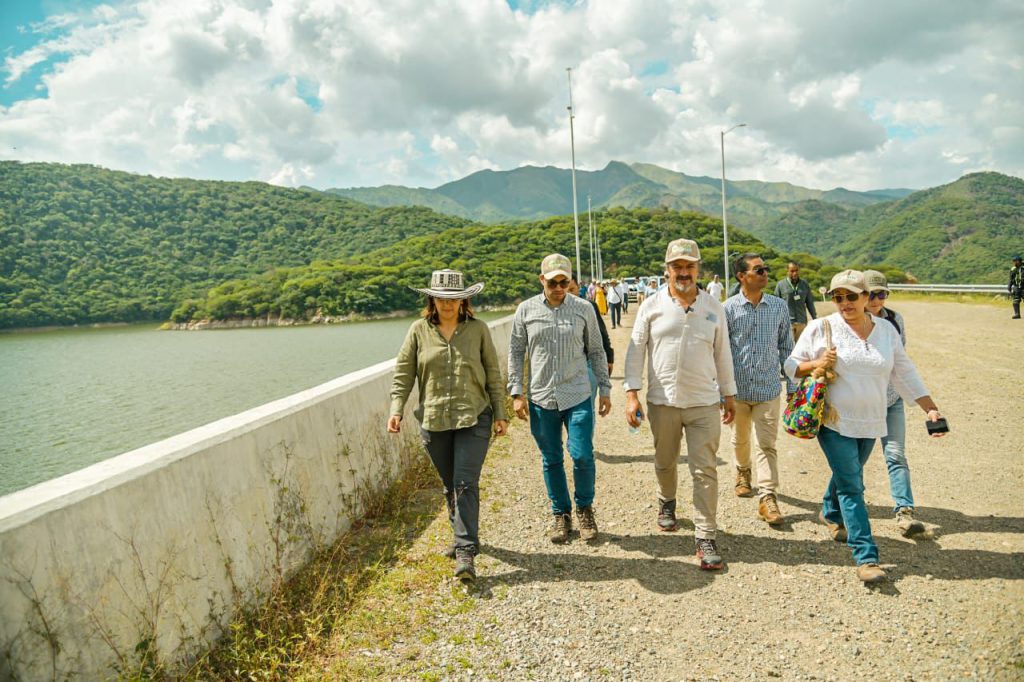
[893, 447]
[844, 498]
[616, 313]
[546, 427]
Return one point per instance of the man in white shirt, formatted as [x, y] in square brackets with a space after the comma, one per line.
[715, 288]
[682, 333]
[615, 303]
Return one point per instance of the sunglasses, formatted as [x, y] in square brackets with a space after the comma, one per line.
[557, 283]
[760, 270]
[880, 295]
[849, 298]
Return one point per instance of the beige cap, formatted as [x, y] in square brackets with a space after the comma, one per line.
[875, 281]
[556, 264]
[682, 249]
[851, 280]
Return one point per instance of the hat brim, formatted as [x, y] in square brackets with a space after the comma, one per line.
[563, 273]
[686, 258]
[452, 294]
[879, 287]
[856, 290]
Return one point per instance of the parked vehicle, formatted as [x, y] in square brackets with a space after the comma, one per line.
[631, 286]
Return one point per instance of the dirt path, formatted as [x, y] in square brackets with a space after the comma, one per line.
[635, 605]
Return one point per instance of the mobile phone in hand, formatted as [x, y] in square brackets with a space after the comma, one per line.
[940, 426]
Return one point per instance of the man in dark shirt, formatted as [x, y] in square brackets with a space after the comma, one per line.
[797, 294]
[1016, 285]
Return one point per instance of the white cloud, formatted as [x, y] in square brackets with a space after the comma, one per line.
[364, 92]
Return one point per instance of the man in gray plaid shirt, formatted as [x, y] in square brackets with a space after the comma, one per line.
[761, 339]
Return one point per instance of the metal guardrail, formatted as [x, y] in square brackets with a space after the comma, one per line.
[953, 288]
[995, 289]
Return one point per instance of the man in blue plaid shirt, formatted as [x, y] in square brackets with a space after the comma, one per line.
[761, 339]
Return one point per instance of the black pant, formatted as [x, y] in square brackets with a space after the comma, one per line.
[458, 455]
[616, 314]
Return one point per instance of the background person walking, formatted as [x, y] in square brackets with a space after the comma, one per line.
[450, 354]
[1016, 285]
[865, 355]
[559, 332]
[797, 294]
[682, 334]
[760, 339]
[615, 303]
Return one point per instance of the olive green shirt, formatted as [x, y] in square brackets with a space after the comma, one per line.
[458, 379]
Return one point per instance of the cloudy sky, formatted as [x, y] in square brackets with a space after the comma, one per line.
[341, 93]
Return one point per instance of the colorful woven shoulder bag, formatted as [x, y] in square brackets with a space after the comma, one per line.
[807, 408]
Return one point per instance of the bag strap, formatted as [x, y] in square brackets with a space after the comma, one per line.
[828, 333]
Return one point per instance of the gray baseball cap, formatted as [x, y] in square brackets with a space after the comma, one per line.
[876, 281]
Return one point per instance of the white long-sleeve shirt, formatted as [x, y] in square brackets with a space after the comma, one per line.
[689, 363]
[863, 369]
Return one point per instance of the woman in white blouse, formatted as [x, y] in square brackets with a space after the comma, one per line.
[866, 354]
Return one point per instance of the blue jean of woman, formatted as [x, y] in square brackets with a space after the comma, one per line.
[458, 455]
[893, 446]
[843, 502]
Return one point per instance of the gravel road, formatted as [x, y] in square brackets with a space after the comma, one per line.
[634, 604]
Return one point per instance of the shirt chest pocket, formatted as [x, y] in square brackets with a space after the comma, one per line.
[700, 332]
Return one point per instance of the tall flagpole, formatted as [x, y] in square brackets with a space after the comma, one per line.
[572, 146]
[590, 234]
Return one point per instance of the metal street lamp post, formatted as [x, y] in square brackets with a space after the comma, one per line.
[725, 223]
[572, 146]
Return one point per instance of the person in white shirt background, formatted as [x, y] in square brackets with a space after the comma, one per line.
[715, 288]
[682, 334]
[866, 355]
[614, 303]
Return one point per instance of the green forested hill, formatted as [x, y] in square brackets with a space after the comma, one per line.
[531, 193]
[83, 244]
[505, 258]
[964, 232]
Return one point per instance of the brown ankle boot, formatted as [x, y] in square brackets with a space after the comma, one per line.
[768, 511]
[743, 488]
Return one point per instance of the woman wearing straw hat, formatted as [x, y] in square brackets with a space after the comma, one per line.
[894, 442]
[450, 354]
[866, 355]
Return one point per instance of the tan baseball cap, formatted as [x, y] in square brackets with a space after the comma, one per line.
[875, 281]
[682, 249]
[851, 280]
[556, 264]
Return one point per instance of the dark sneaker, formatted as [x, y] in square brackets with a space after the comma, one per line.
[588, 526]
[837, 531]
[870, 573]
[707, 552]
[743, 488]
[464, 569]
[561, 530]
[768, 511]
[906, 523]
[667, 515]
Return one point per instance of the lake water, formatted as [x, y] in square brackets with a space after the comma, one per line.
[71, 398]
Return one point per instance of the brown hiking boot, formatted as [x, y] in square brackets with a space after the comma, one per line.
[836, 530]
[870, 573]
[561, 530]
[743, 488]
[907, 524]
[588, 526]
[768, 511]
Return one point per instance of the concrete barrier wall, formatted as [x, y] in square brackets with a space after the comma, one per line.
[158, 548]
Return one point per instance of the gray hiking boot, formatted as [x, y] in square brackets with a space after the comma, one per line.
[906, 523]
[667, 515]
[707, 552]
[464, 568]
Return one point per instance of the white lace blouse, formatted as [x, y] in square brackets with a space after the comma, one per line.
[863, 371]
